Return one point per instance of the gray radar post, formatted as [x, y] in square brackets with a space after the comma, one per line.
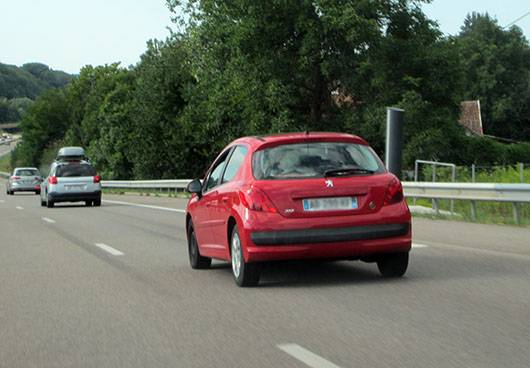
[394, 140]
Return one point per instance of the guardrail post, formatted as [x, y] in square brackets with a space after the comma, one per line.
[473, 209]
[521, 169]
[516, 212]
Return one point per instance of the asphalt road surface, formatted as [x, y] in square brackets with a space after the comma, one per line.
[111, 286]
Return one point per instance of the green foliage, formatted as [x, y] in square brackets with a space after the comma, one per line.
[242, 67]
[30, 80]
[19, 87]
[43, 125]
[496, 64]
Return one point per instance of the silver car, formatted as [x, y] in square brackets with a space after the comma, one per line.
[24, 179]
[72, 181]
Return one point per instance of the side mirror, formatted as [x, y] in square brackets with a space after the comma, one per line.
[194, 186]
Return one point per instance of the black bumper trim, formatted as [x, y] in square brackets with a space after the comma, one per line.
[74, 197]
[329, 235]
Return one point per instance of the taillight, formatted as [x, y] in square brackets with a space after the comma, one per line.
[16, 177]
[394, 193]
[52, 180]
[255, 199]
[97, 179]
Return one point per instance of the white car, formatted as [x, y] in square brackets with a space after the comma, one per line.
[24, 179]
[71, 178]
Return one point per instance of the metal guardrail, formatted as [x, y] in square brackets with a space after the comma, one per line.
[461, 191]
[469, 191]
[4, 174]
[492, 192]
[146, 184]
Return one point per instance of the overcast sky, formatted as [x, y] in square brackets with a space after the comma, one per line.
[69, 34]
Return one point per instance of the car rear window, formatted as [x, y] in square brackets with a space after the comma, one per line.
[65, 171]
[315, 160]
[27, 172]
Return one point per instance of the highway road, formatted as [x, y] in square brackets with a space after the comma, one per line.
[111, 286]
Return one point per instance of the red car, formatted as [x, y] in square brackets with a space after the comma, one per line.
[297, 196]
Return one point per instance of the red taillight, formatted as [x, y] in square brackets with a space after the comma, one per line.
[16, 177]
[394, 194]
[255, 199]
[97, 179]
[52, 180]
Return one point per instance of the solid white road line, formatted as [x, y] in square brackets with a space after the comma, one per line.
[111, 250]
[417, 245]
[305, 356]
[48, 220]
[145, 206]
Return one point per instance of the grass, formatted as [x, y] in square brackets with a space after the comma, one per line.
[5, 166]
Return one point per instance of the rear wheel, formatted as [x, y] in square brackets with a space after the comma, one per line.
[393, 264]
[49, 202]
[196, 260]
[245, 274]
[97, 202]
[88, 203]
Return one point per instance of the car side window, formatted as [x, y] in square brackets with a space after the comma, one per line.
[234, 163]
[215, 173]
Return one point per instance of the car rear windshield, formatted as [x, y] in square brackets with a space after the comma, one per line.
[68, 171]
[27, 172]
[315, 160]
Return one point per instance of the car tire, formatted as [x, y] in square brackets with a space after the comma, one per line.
[49, 202]
[88, 203]
[245, 274]
[42, 202]
[37, 192]
[394, 264]
[197, 261]
[97, 202]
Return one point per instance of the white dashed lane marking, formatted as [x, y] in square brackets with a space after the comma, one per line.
[19, 208]
[305, 356]
[110, 250]
[48, 220]
[416, 245]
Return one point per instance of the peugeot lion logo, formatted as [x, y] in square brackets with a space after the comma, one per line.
[329, 183]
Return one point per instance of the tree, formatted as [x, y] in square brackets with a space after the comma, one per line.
[43, 124]
[161, 142]
[496, 64]
[264, 67]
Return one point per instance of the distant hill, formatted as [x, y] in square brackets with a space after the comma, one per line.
[20, 86]
[29, 80]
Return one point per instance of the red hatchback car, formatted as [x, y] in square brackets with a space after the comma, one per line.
[298, 196]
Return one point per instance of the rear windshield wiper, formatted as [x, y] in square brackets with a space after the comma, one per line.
[348, 171]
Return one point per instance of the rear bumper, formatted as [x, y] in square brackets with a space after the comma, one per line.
[335, 237]
[74, 197]
[24, 188]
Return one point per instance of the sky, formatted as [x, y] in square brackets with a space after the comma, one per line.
[69, 34]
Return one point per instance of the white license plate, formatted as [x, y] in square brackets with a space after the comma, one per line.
[330, 204]
[74, 187]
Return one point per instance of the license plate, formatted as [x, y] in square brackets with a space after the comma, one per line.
[330, 204]
[74, 187]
